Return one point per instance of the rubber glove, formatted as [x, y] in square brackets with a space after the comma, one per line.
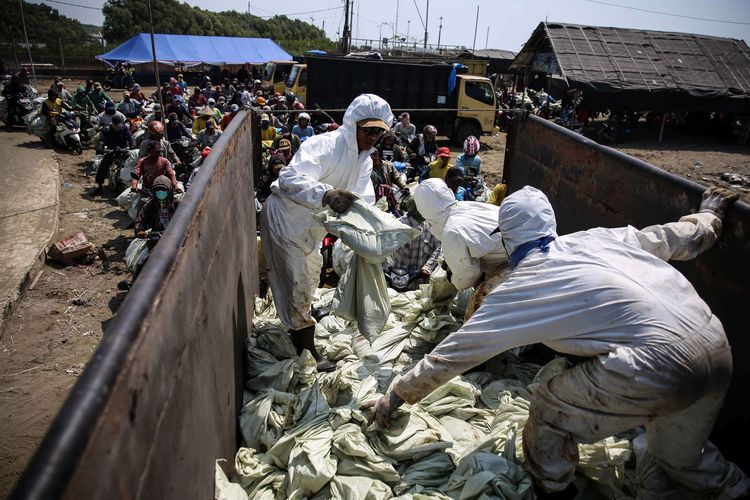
[716, 200]
[381, 409]
[339, 200]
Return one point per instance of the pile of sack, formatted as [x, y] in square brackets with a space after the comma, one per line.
[305, 437]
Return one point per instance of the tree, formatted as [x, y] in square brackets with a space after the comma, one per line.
[125, 18]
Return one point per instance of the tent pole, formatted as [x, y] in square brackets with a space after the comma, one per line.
[663, 122]
[156, 65]
[28, 45]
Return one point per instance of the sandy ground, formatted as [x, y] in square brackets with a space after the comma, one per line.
[696, 158]
[56, 326]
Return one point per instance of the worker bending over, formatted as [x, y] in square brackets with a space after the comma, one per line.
[657, 356]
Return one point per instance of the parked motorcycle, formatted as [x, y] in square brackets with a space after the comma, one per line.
[120, 155]
[117, 80]
[68, 132]
[24, 105]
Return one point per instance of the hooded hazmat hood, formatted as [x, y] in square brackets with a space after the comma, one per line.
[526, 215]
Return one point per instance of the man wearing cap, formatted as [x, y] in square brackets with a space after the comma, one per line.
[104, 118]
[287, 134]
[284, 148]
[331, 169]
[438, 168]
[654, 353]
[208, 136]
[267, 132]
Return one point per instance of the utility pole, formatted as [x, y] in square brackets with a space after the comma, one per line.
[156, 64]
[426, 23]
[324, 26]
[28, 45]
[347, 31]
[487, 39]
[395, 26]
[408, 25]
[476, 24]
[440, 32]
[351, 16]
[62, 55]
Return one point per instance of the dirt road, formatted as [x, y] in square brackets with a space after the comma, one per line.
[57, 325]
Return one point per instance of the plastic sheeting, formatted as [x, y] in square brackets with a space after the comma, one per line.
[190, 50]
[305, 436]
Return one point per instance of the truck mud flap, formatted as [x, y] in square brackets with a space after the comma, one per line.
[158, 402]
[592, 185]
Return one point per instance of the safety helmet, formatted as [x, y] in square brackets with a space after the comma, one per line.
[291, 97]
[430, 130]
[205, 152]
[304, 116]
[471, 145]
[156, 128]
[116, 120]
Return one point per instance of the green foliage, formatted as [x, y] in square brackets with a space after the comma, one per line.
[46, 29]
[125, 18]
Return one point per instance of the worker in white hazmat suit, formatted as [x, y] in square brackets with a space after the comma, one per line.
[657, 356]
[329, 169]
[475, 257]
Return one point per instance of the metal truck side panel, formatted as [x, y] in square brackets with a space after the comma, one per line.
[158, 403]
[592, 185]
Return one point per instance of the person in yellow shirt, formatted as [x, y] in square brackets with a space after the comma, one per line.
[203, 116]
[439, 167]
[267, 132]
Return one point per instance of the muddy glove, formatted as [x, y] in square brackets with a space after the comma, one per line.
[339, 200]
[716, 200]
[381, 409]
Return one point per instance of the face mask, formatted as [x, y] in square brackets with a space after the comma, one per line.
[161, 195]
[264, 126]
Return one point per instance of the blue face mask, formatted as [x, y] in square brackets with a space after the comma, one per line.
[161, 195]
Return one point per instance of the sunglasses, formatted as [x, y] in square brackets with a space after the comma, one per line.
[372, 131]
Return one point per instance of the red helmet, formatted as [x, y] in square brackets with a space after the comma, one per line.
[471, 145]
[156, 128]
[205, 152]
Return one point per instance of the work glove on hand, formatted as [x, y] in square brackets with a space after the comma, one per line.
[339, 200]
[380, 410]
[716, 200]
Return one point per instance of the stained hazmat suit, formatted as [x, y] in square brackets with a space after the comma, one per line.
[464, 228]
[290, 237]
[656, 355]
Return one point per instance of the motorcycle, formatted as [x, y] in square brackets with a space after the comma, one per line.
[400, 279]
[119, 80]
[24, 105]
[185, 150]
[68, 132]
[118, 161]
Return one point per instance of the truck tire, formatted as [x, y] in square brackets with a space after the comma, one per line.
[465, 130]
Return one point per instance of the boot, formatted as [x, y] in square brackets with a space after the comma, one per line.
[305, 339]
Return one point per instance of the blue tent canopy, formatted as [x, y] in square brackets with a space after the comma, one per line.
[191, 50]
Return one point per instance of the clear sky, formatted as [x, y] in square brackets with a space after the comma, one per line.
[510, 22]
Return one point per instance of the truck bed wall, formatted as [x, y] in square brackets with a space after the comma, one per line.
[158, 403]
[334, 82]
[591, 185]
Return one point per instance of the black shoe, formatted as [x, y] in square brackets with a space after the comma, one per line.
[124, 285]
[325, 366]
[98, 191]
[321, 313]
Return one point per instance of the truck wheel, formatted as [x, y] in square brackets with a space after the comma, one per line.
[464, 131]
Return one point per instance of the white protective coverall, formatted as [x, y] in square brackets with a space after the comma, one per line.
[464, 229]
[290, 237]
[658, 357]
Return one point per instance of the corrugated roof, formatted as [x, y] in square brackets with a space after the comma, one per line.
[493, 54]
[606, 59]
